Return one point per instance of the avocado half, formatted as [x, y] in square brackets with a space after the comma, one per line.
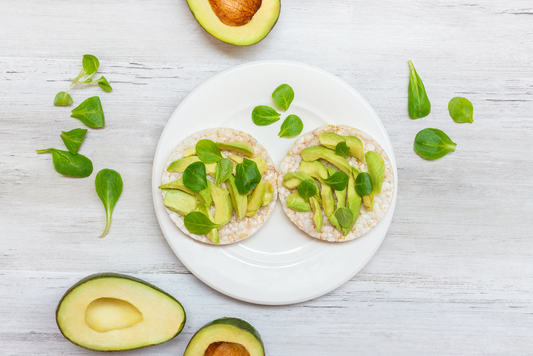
[237, 22]
[226, 336]
[116, 312]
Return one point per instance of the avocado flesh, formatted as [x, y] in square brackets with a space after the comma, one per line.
[240, 201]
[376, 169]
[315, 153]
[269, 193]
[176, 184]
[317, 214]
[213, 234]
[223, 204]
[292, 180]
[238, 147]
[181, 164]
[356, 147]
[256, 199]
[296, 202]
[330, 139]
[191, 151]
[229, 334]
[353, 202]
[318, 170]
[114, 312]
[180, 202]
[368, 201]
[240, 23]
[262, 166]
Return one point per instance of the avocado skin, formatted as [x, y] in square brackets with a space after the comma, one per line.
[123, 276]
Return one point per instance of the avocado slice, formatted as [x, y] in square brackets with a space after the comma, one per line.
[176, 184]
[116, 312]
[296, 202]
[180, 202]
[376, 169]
[191, 151]
[353, 202]
[334, 221]
[262, 166]
[239, 147]
[239, 23]
[315, 153]
[317, 213]
[226, 336]
[182, 163]
[356, 147]
[330, 139]
[269, 193]
[213, 234]
[256, 199]
[223, 205]
[240, 202]
[315, 169]
[292, 180]
[368, 201]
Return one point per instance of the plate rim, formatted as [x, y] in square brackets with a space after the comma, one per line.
[389, 213]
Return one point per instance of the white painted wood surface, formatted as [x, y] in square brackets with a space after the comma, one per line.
[454, 275]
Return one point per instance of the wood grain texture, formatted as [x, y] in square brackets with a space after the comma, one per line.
[454, 275]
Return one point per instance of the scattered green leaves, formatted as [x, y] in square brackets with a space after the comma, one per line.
[307, 188]
[208, 151]
[363, 184]
[283, 96]
[90, 112]
[247, 176]
[90, 65]
[73, 139]
[344, 217]
[263, 115]
[223, 170]
[292, 126]
[68, 164]
[337, 181]
[342, 149]
[418, 101]
[194, 177]
[63, 98]
[433, 144]
[108, 185]
[103, 83]
[461, 110]
[199, 224]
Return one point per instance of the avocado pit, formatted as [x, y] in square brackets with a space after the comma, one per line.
[235, 13]
[226, 349]
[106, 314]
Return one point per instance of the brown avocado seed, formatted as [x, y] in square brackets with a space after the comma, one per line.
[226, 349]
[235, 12]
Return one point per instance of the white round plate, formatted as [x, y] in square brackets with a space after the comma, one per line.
[279, 264]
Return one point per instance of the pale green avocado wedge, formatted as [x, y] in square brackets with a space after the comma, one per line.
[238, 147]
[296, 202]
[226, 336]
[223, 204]
[180, 202]
[240, 23]
[240, 201]
[315, 153]
[116, 312]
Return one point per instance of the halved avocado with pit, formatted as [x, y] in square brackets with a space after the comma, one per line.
[226, 336]
[116, 312]
[237, 22]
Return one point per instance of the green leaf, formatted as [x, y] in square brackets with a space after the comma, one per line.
[344, 217]
[307, 188]
[342, 149]
[90, 112]
[418, 101]
[208, 151]
[461, 110]
[73, 139]
[283, 96]
[433, 144]
[199, 224]
[63, 98]
[68, 164]
[90, 64]
[337, 181]
[108, 185]
[263, 115]
[247, 176]
[194, 177]
[363, 184]
[223, 170]
[292, 126]
[103, 83]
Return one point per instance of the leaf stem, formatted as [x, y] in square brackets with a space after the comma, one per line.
[44, 151]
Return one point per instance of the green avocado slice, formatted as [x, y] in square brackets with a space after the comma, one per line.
[239, 147]
[231, 334]
[116, 312]
[315, 153]
[180, 202]
[223, 204]
[240, 201]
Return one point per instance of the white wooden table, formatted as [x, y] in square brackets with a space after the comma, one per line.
[454, 275]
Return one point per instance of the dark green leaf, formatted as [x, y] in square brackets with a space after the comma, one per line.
[208, 151]
[461, 110]
[283, 96]
[223, 170]
[344, 217]
[103, 83]
[108, 185]
[90, 64]
[70, 165]
[433, 144]
[90, 112]
[363, 184]
[63, 99]
[292, 126]
[73, 139]
[194, 177]
[263, 115]
[418, 101]
[247, 176]
[307, 188]
[199, 224]
[342, 149]
[337, 181]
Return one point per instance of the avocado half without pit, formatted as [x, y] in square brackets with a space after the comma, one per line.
[237, 22]
[116, 312]
[226, 337]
